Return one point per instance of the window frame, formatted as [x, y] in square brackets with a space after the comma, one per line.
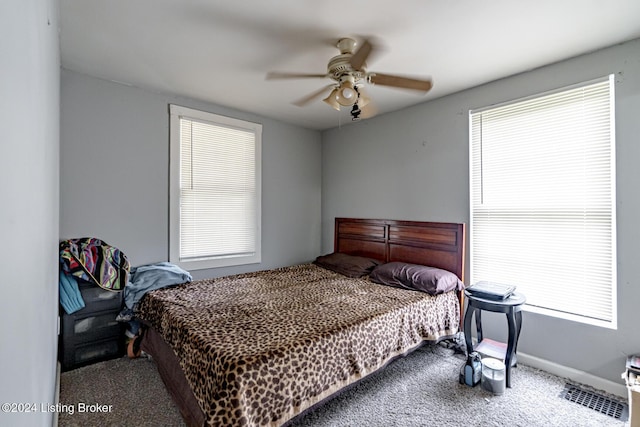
[176, 112]
[612, 323]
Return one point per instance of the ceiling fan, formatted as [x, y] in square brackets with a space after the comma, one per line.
[349, 76]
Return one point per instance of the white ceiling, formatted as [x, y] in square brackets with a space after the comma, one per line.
[220, 51]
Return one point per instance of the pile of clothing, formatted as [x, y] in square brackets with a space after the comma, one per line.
[145, 279]
[89, 259]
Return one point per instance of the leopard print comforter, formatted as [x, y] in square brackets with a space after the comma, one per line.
[260, 348]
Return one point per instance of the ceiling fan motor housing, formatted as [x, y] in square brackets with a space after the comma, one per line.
[340, 65]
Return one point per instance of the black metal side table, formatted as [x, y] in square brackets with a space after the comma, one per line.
[512, 307]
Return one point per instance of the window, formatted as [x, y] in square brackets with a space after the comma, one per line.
[543, 200]
[214, 190]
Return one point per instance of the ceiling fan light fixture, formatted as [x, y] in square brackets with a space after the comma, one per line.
[347, 95]
[332, 99]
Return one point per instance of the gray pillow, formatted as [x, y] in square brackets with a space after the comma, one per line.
[416, 277]
[349, 265]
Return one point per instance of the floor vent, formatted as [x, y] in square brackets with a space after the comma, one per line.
[595, 401]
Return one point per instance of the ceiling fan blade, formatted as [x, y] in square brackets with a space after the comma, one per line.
[283, 75]
[312, 96]
[423, 85]
[360, 56]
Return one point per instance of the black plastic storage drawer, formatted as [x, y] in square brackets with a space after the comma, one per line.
[92, 334]
[87, 327]
[98, 299]
[91, 352]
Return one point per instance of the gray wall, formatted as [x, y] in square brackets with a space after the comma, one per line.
[29, 113]
[114, 163]
[414, 164]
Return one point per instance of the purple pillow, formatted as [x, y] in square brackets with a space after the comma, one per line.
[416, 277]
[349, 265]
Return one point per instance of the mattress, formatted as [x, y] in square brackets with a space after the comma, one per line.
[259, 348]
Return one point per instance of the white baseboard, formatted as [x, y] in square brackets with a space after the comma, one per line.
[574, 375]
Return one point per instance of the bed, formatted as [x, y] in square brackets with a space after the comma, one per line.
[262, 348]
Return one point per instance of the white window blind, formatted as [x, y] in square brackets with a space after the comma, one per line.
[216, 189]
[543, 200]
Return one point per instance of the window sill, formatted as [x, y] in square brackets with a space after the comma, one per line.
[229, 261]
[572, 317]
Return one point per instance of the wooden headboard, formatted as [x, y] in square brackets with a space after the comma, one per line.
[436, 244]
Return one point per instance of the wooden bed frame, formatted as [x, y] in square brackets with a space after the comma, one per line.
[440, 245]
